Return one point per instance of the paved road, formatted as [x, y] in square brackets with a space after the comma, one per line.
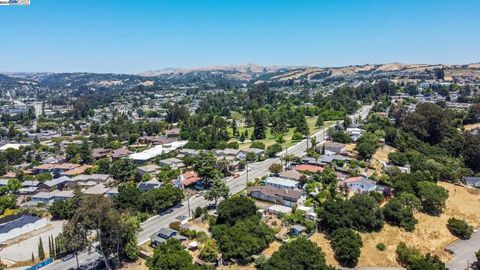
[236, 185]
[464, 252]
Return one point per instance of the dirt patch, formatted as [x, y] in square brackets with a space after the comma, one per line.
[140, 264]
[274, 246]
[381, 156]
[350, 147]
[430, 235]
[472, 126]
[321, 240]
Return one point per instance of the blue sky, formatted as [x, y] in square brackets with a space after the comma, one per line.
[135, 36]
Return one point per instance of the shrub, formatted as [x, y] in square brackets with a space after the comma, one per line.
[459, 228]
[257, 144]
[381, 246]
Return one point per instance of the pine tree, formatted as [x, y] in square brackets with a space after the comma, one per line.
[41, 252]
[33, 258]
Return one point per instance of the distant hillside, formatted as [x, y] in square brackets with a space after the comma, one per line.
[253, 72]
[222, 76]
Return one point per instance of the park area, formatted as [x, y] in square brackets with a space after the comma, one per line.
[270, 138]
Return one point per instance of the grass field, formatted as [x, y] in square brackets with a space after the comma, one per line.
[430, 235]
[270, 139]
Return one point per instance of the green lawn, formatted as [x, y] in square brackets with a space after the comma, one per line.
[269, 140]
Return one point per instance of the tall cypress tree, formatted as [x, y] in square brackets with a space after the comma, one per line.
[41, 251]
[50, 251]
[53, 255]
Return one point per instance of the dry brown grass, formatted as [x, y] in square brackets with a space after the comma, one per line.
[431, 233]
[350, 147]
[381, 155]
[321, 240]
[138, 265]
[472, 126]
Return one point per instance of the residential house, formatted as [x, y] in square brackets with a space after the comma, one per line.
[149, 185]
[360, 184]
[354, 133]
[173, 163]
[120, 153]
[286, 197]
[297, 230]
[89, 179]
[164, 234]
[281, 183]
[471, 181]
[148, 169]
[98, 153]
[277, 209]
[187, 179]
[242, 155]
[99, 189]
[155, 140]
[173, 133]
[334, 148]
[30, 183]
[292, 175]
[52, 196]
[77, 170]
[56, 169]
[113, 192]
[56, 183]
[189, 152]
[3, 182]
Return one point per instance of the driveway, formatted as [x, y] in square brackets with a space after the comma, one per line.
[464, 252]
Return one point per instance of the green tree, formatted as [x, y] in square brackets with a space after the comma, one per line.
[399, 211]
[157, 200]
[346, 244]
[432, 196]
[86, 153]
[62, 209]
[41, 252]
[123, 169]
[128, 197]
[103, 165]
[367, 216]
[298, 254]
[275, 168]
[260, 126]
[204, 164]
[170, 255]
[209, 251]
[319, 122]
[13, 185]
[8, 201]
[235, 208]
[218, 189]
[459, 228]
[247, 237]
